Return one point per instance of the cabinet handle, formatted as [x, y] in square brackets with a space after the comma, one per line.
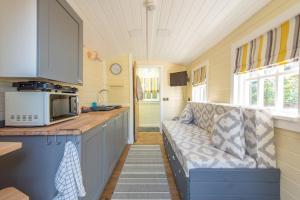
[105, 125]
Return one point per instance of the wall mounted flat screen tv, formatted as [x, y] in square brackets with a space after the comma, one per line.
[178, 78]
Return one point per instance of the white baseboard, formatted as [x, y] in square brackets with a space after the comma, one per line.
[149, 125]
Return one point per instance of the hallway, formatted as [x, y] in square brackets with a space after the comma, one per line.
[142, 138]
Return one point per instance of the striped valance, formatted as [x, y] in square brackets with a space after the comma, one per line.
[274, 47]
[199, 76]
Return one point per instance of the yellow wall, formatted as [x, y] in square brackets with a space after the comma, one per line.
[149, 114]
[118, 85]
[176, 95]
[219, 90]
[93, 80]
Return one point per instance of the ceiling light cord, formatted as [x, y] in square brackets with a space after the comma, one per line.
[150, 6]
[147, 35]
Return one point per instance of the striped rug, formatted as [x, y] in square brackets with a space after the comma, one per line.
[143, 175]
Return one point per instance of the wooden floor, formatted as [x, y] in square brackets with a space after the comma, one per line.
[142, 138]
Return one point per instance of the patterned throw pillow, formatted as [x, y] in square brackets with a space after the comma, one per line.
[228, 133]
[186, 116]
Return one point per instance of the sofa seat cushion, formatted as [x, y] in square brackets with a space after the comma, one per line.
[193, 148]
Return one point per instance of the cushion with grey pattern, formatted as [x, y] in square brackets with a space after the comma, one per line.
[228, 133]
[186, 116]
[193, 148]
[259, 130]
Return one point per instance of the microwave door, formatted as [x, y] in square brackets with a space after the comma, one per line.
[62, 107]
[74, 105]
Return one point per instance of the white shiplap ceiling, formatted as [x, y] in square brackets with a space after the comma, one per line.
[179, 30]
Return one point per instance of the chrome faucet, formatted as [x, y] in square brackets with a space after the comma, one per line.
[99, 93]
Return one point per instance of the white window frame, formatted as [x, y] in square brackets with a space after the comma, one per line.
[284, 120]
[152, 99]
[202, 93]
[242, 96]
[203, 87]
[280, 121]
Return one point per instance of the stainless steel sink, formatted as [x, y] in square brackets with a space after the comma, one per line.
[105, 107]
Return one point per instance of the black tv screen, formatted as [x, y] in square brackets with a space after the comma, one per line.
[178, 78]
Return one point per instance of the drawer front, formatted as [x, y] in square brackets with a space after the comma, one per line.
[179, 174]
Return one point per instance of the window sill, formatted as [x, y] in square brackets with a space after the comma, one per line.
[289, 122]
[149, 102]
[283, 120]
[286, 117]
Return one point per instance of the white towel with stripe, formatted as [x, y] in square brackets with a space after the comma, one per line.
[68, 179]
[139, 89]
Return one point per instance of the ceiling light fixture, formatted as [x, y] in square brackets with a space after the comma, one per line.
[163, 32]
[150, 6]
[135, 32]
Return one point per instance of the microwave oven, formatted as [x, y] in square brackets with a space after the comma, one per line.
[39, 108]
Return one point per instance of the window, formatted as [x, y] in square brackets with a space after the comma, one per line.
[199, 93]
[276, 88]
[151, 89]
[149, 77]
[199, 85]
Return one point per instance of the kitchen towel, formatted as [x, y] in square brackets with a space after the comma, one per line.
[68, 179]
[139, 89]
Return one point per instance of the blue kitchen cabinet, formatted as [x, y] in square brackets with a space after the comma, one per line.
[32, 169]
[93, 162]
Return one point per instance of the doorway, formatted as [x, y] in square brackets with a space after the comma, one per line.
[149, 112]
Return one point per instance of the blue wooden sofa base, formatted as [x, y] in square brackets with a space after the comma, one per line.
[224, 184]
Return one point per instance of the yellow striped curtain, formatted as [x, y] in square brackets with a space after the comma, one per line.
[199, 76]
[150, 85]
[277, 46]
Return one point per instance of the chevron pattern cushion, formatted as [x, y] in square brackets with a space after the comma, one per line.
[263, 142]
[186, 116]
[203, 115]
[228, 133]
[259, 131]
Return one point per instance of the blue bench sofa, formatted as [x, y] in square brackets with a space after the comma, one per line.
[203, 172]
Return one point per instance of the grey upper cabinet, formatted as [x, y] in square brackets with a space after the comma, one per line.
[42, 39]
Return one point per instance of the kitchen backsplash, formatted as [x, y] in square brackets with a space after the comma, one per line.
[94, 78]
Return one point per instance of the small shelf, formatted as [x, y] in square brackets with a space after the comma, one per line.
[12, 193]
[7, 147]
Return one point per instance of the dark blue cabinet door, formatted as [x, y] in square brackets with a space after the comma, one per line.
[110, 140]
[92, 159]
[125, 128]
[119, 136]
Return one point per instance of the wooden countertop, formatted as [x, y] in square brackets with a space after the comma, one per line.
[12, 194]
[7, 147]
[83, 123]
